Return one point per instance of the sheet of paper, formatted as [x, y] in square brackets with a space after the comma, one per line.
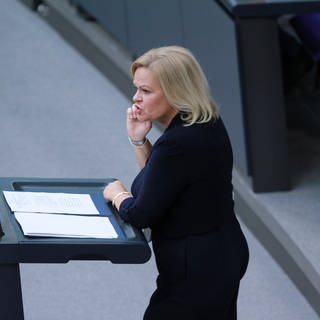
[70, 226]
[50, 202]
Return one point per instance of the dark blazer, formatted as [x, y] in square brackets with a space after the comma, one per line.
[185, 187]
[184, 194]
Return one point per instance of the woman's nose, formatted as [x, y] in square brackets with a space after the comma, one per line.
[136, 96]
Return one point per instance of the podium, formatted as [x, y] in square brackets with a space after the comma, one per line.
[129, 247]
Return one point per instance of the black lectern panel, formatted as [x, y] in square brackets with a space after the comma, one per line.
[129, 247]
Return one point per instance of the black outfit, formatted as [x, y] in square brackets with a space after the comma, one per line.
[184, 194]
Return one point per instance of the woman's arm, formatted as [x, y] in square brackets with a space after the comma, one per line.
[164, 178]
[142, 152]
[137, 132]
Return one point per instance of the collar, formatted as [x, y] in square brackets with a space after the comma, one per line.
[176, 121]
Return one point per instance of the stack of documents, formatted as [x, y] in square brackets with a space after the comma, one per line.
[45, 214]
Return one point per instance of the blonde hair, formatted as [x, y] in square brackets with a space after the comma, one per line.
[182, 81]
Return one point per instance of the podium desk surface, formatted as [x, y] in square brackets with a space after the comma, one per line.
[129, 247]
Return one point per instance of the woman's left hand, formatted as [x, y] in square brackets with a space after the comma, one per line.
[112, 189]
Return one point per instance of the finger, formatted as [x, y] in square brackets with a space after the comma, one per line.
[106, 190]
[135, 110]
[130, 114]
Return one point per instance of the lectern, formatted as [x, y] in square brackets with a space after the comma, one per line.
[129, 247]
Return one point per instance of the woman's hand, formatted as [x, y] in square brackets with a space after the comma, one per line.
[112, 189]
[137, 130]
[116, 192]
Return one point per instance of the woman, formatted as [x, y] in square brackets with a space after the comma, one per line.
[183, 191]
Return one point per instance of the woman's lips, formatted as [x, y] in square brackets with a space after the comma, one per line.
[137, 109]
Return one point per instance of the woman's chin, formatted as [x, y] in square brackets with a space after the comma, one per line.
[143, 117]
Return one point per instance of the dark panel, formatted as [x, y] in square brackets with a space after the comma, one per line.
[264, 8]
[262, 90]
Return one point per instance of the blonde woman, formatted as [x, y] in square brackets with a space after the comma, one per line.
[183, 191]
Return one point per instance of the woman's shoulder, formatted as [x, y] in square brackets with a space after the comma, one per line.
[195, 132]
[192, 144]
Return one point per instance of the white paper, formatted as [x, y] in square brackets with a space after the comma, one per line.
[70, 226]
[50, 202]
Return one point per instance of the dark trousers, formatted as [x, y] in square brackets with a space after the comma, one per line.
[199, 276]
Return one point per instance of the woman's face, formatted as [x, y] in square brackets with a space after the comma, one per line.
[150, 102]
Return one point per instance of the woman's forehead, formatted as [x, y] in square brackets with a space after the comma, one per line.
[144, 76]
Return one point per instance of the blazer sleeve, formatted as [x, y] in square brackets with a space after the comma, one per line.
[164, 179]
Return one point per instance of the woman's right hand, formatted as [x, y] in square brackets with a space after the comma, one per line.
[137, 129]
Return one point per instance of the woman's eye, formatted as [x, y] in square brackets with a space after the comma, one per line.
[145, 91]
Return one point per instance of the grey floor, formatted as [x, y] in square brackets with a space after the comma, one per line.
[298, 211]
[60, 117]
